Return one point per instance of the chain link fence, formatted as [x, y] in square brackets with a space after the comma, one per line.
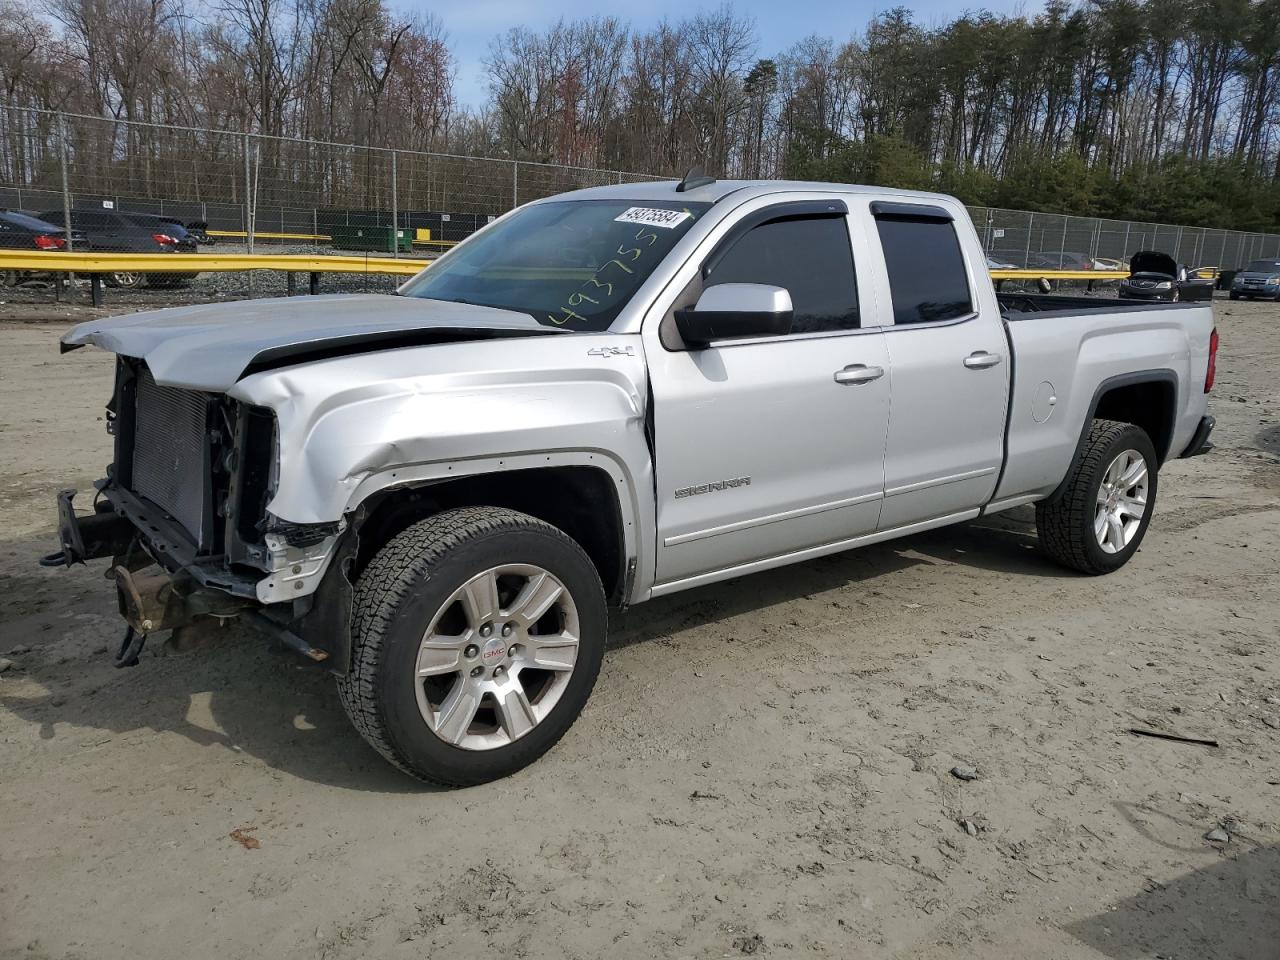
[256, 193]
[252, 184]
[1026, 239]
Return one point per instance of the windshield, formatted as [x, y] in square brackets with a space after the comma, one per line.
[571, 264]
[1264, 266]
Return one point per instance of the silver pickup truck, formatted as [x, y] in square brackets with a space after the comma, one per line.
[604, 397]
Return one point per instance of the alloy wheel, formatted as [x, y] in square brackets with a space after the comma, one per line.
[1121, 501]
[497, 657]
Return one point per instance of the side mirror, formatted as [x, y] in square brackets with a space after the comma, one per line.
[729, 310]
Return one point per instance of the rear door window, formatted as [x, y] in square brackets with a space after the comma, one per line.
[810, 257]
[927, 276]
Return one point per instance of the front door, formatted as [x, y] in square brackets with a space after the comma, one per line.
[767, 447]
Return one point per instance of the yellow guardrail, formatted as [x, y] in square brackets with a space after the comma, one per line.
[90, 262]
[73, 262]
[419, 239]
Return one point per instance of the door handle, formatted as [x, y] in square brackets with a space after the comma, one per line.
[858, 373]
[980, 360]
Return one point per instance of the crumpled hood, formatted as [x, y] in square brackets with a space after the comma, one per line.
[210, 346]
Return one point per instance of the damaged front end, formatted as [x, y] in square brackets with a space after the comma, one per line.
[182, 515]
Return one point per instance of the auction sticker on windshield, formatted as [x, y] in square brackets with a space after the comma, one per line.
[652, 217]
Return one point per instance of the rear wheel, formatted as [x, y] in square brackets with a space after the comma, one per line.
[1099, 520]
[477, 637]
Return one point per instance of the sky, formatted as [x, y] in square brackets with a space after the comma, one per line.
[472, 24]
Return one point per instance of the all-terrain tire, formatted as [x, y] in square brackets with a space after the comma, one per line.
[1065, 524]
[399, 593]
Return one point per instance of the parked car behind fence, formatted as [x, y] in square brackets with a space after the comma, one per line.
[1261, 278]
[113, 231]
[1157, 276]
[22, 231]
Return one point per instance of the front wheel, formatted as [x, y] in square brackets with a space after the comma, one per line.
[477, 637]
[1099, 520]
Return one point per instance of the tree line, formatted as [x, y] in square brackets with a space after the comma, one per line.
[1144, 109]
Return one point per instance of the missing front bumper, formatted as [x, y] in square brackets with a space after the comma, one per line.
[177, 592]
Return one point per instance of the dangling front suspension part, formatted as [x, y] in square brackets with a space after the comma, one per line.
[130, 648]
[152, 599]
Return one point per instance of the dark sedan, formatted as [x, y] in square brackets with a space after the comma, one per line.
[110, 231]
[21, 231]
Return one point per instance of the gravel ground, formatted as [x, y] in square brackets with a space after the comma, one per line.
[765, 766]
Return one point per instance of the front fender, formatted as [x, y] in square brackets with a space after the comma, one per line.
[354, 426]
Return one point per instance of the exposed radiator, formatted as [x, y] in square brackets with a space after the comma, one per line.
[169, 464]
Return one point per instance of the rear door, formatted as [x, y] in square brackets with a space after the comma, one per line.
[768, 446]
[950, 366]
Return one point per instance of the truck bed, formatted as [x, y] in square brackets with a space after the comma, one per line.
[1020, 306]
[1093, 345]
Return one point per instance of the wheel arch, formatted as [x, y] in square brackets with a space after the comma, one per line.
[1145, 398]
[587, 495]
[1148, 399]
[582, 500]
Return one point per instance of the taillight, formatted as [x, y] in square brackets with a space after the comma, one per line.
[1213, 361]
[47, 242]
[163, 238]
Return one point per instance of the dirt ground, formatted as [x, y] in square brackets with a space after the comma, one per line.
[764, 766]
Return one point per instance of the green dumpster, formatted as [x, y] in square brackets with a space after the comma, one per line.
[372, 239]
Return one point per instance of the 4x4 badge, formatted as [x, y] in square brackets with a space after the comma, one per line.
[611, 352]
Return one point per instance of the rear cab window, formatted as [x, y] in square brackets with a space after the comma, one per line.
[928, 279]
